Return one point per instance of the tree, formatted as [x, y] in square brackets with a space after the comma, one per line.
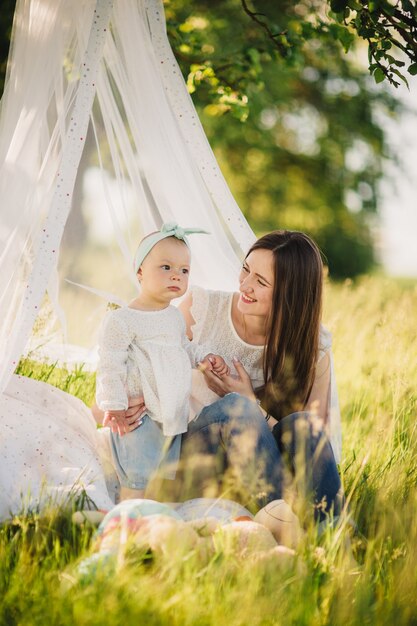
[289, 107]
[309, 153]
[390, 30]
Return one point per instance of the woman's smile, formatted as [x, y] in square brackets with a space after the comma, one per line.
[247, 299]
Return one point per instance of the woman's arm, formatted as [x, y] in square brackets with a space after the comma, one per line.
[318, 401]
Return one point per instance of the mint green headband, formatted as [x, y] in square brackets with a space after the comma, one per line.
[171, 229]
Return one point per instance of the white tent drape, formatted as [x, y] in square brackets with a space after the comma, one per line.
[62, 56]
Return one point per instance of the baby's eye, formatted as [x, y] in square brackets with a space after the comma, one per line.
[166, 267]
[185, 271]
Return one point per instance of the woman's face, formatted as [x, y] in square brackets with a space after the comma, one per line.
[256, 282]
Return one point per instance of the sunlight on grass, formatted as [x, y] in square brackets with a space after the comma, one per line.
[77, 382]
[341, 578]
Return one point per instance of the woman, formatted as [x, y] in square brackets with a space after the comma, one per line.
[273, 328]
[271, 332]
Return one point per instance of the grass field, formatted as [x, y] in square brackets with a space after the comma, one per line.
[375, 346]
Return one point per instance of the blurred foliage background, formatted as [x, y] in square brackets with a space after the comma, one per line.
[296, 126]
[287, 93]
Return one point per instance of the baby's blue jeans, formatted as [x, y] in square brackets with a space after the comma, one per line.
[141, 453]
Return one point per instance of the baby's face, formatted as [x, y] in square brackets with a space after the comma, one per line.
[164, 272]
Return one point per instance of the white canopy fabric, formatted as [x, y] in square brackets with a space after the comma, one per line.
[64, 57]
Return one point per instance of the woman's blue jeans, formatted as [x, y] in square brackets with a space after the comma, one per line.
[230, 450]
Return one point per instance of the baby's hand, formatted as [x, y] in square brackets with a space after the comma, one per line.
[116, 421]
[217, 364]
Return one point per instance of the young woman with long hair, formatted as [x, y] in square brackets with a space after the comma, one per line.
[279, 401]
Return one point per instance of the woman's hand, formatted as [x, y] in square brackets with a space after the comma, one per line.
[135, 413]
[222, 385]
[131, 420]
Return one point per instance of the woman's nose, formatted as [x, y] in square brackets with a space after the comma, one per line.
[246, 283]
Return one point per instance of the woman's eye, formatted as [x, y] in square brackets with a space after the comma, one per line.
[245, 268]
[261, 283]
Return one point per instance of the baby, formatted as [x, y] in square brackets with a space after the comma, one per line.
[143, 350]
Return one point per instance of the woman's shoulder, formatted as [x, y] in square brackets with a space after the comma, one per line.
[325, 342]
[208, 302]
[325, 338]
[209, 295]
[208, 309]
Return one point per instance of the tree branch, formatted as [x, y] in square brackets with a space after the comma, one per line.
[405, 35]
[254, 16]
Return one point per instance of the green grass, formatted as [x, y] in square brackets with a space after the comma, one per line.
[374, 330]
[77, 382]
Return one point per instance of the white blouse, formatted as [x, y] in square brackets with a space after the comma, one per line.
[212, 312]
[147, 353]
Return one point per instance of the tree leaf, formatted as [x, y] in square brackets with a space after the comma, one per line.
[356, 6]
[338, 6]
[379, 75]
[412, 69]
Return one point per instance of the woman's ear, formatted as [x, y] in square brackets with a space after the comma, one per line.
[139, 274]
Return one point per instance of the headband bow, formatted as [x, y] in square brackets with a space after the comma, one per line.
[171, 229]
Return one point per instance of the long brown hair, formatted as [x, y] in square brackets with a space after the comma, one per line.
[293, 326]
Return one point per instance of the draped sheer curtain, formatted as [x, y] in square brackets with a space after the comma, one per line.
[64, 57]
